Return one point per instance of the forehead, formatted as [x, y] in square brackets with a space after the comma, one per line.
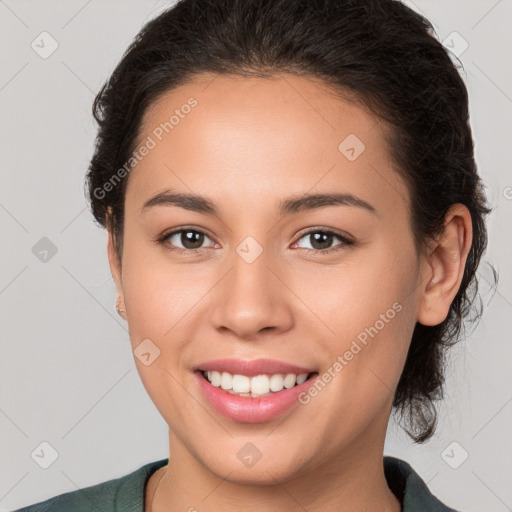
[303, 105]
[259, 135]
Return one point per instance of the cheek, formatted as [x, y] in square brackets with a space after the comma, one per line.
[161, 302]
[351, 296]
[369, 307]
[156, 294]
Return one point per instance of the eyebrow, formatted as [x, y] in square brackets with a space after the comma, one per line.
[291, 205]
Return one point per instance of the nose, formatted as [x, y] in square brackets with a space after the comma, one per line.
[253, 298]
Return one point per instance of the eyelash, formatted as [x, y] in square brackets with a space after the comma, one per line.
[345, 241]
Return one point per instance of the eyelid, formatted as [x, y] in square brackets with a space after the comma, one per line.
[178, 229]
[323, 229]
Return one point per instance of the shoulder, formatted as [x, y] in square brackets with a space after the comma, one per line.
[410, 489]
[120, 494]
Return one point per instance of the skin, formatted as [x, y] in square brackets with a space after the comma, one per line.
[249, 143]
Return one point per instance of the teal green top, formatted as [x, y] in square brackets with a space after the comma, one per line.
[126, 494]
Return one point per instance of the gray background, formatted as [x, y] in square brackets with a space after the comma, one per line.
[67, 376]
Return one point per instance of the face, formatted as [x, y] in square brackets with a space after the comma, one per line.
[263, 272]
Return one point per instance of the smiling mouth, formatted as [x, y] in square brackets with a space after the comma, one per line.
[255, 386]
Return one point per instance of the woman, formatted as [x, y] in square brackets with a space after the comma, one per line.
[294, 225]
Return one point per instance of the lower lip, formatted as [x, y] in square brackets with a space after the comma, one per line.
[252, 410]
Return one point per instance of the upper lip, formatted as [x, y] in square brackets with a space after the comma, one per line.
[252, 368]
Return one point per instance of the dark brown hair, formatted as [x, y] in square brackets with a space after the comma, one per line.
[378, 50]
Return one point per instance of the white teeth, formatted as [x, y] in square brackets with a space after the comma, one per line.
[259, 385]
[301, 378]
[276, 383]
[226, 380]
[215, 378]
[289, 381]
[241, 384]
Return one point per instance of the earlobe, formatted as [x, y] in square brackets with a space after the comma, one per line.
[115, 269]
[444, 266]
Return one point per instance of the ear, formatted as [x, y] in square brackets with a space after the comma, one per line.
[444, 266]
[115, 265]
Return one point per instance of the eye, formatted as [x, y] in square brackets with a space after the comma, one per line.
[190, 239]
[321, 241]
